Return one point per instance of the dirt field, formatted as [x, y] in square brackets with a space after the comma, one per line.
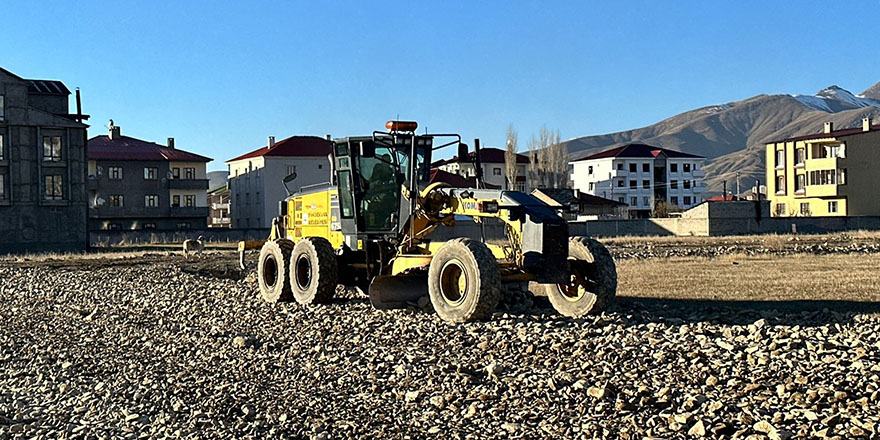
[773, 337]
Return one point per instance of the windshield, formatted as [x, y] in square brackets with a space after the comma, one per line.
[380, 181]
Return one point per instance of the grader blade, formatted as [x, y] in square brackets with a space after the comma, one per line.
[398, 291]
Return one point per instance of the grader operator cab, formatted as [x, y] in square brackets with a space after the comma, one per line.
[371, 229]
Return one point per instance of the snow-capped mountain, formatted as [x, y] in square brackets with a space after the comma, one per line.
[834, 99]
[732, 136]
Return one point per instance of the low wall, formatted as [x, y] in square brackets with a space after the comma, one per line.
[213, 235]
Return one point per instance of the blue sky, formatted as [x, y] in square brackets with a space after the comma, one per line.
[221, 76]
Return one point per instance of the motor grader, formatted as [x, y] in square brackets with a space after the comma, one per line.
[371, 229]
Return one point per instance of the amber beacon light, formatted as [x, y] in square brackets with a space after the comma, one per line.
[402, 125]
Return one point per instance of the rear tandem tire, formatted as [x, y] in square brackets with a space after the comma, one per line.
[314, 272]
[272, 271]
[464, 282]
[593, 285]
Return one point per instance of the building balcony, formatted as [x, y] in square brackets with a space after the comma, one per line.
[698, 174]
[221, 220]
[819, 191]
[826, 163]
[188, 184]
[189, 211]
[218, 206]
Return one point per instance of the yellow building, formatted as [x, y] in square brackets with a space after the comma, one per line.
[833, 173]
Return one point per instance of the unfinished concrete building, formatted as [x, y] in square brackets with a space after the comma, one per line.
[43, 205]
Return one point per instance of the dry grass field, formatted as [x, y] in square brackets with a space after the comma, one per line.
[737, 277]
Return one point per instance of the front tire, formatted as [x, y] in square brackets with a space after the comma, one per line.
[464, 282]
[314, 273]
[592, 286]
[272, 271]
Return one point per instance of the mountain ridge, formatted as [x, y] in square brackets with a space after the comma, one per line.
[732, 135]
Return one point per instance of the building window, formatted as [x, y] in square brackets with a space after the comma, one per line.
[291, 169]
[54, 188]
[687, 200]
[1, 141]
[832, 207]
[148, 226]
[175, 173]
[780, 185]
[621, 199]
[320, 166]
[151, 201]
[114, 173]
[805, 208]
[686, 168]
[175, 201]
[647, 201]
[495, 171]
[592, 186]
[673, 167]
[674, 200]
[183, 225]
[780, 159]
[114, 226]
[590, 170]
[633, 201]
[2, 108]
[800, 156]
[799, 182]
[116, 201]
[2, 186]
[151, 173]
[841, 176]
[189, 173]
[780, 209]
[620, 166]
[620, 183]
[820, 151]
[52, 148]
[189, 200]
[646, 167]
[673, 184]
[686, 184]
[632, 167]
[633, 184]
[646, 184]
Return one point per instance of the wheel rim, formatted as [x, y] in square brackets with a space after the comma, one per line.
[576, 288]
[454, 282]
[270, 270]
[303, 272]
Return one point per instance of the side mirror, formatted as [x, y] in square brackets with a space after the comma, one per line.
[463, 152]
[367, 149]
[290, 178]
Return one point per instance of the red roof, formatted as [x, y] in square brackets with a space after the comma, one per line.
[835, 133]
[129, 148]
[294, 146]
[487, 155]
[639, 150]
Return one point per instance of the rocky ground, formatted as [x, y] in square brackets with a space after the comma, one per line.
[154, 347]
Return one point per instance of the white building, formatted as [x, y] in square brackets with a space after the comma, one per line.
[639, 175]
[492, 161]
[256, 178]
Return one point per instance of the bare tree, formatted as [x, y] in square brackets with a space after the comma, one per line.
[510, 157]
[534, 163]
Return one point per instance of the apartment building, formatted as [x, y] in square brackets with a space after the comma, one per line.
[218, 208]
[492, 161]
[832, 173]
[43, 204]
[136, 184]
[256, 178]
[640, 175]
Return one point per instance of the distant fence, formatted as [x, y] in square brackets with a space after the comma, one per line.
[212, 235]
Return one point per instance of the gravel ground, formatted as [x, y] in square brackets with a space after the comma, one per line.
[155, 347]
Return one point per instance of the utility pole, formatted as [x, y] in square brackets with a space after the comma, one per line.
[737, 184]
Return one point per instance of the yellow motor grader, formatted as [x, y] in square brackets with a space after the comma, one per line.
[371, 229]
